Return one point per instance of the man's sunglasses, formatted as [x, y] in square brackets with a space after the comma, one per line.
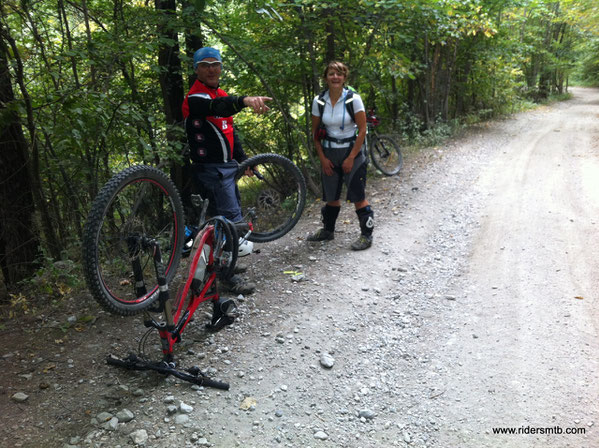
[206, 64]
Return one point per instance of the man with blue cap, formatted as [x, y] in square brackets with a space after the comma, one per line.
[215, 149]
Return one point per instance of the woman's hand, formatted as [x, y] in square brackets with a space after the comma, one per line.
[327, 166]
[348, 164]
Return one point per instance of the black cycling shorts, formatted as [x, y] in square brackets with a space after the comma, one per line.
[355, 181]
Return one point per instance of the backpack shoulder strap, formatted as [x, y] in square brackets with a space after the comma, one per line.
[349, 104]
[321, 102]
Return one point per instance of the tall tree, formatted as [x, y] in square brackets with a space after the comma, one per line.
[19, 242]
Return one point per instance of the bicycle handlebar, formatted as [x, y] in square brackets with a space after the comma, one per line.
[193, 375]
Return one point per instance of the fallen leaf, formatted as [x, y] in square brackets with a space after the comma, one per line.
[247, 403]
[579, 297]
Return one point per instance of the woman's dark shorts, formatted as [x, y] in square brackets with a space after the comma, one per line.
[355, 181]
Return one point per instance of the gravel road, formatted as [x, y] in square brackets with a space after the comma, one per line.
[472, 313]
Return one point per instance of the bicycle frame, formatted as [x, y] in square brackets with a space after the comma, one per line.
[119, 262]
[200, 286]
[369, 139]
[371, 123]
[177, 323]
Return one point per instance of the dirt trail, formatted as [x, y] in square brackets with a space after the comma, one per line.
[474, 309]
[532, 280]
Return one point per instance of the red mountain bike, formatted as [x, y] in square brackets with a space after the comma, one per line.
[133, 240]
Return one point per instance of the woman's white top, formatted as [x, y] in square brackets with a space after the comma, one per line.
[336, 119]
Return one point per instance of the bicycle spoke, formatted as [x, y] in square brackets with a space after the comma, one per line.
[137, 207]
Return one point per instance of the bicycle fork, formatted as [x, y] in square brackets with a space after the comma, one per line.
[166, 328]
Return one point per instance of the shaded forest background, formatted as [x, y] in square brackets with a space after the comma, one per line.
[88, 87]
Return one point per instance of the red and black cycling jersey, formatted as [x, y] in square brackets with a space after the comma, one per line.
[209, 124]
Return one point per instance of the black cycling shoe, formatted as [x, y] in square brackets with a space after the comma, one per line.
[363, 242]
[321, 235]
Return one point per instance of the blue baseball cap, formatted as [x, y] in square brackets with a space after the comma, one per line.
[205, 52]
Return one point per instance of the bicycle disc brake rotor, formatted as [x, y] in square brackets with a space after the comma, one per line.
[269, 199]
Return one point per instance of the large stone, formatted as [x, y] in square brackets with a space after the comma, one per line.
[125, 416]
[20, 397]
[327, 361]
[139, 437]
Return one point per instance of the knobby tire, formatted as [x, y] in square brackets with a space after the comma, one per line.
[277, 195]
[225, 241]
[386, 155]
[140, 202]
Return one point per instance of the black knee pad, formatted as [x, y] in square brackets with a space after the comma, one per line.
[366, 219]
[329, 216]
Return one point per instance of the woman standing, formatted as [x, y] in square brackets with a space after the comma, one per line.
[340, 154]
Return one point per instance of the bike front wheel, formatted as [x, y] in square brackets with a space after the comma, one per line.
[386, 155]
[274, 195]
[137, 211]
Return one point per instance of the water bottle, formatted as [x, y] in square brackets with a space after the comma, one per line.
[200, 273]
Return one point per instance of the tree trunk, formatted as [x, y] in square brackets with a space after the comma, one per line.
[394, 103]
[427, 84]
[52, 243]
[171, 81]
[193, 41]
[67, 34]
[330, 30]
[19, 243]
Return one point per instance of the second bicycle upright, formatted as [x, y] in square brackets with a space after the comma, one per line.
[383, 150]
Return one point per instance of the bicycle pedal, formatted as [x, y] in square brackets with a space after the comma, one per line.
[195, 371]
[220, 323]
[224, 312]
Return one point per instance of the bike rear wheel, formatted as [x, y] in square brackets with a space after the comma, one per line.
[275, 194]
[136, 209]
[386, 155]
